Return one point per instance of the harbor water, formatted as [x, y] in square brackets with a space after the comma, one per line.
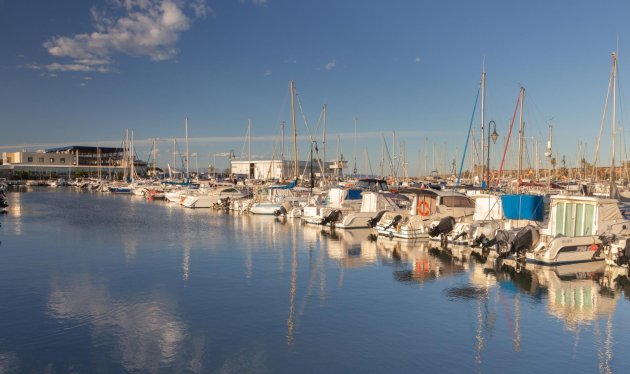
[102, 283]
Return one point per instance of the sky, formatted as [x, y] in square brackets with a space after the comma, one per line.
[80, 72]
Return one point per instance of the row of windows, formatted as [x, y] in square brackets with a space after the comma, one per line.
[52, 160]
[575, 219]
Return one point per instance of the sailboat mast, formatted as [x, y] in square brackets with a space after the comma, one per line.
[249, 147]
[154, 160]
[324, 139]
[295, 153]
[355, 147]
[614, 125]
[174, 159]
[483, 121]
[521, 134]
[394, 155]
[187, 154]
[282, 152]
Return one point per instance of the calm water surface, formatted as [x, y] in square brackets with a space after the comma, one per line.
[106, 283]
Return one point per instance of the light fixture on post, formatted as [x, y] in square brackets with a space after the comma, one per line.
[494, 136]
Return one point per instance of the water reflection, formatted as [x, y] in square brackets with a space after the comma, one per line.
[147, 331]
[350, 248]
[425, 262]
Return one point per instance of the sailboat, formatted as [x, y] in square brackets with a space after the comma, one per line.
[280, 199]
[585, 228]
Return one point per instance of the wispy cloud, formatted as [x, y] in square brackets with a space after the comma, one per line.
[262, 3]
[232, 139]
[267, 73]
[417, 60]
[148, 28]
[331, 65]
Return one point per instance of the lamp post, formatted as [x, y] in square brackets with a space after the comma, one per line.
[494, 137]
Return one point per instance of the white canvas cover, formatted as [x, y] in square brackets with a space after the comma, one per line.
[608, 211]
[487, 208]
[369, 202]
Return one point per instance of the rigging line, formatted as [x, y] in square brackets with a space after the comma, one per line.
[284, 103]
[507, 141]
[391, 163]
[310, 135]
[245, 141]
[472, 117]
[601, 125]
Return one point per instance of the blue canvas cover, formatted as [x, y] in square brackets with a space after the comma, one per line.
[354, 194]
[530, 207]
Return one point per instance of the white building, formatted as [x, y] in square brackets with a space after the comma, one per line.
[276, 169]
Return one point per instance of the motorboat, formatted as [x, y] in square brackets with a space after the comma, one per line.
[212, 198]
[373, 205]
[580, 228]
[429, 206]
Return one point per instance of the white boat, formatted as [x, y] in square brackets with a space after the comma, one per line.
[428, 205]
[373, 204]
[579, 228]
[338, 202]
[208, 200]
[275, 199]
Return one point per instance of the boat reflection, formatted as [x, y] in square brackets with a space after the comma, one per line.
[351, 248]
[417, 261]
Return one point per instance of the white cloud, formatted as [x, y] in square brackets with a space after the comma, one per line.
[417, 60]
[262, 3]
[331, 65]
[148, 28]
[267, 73]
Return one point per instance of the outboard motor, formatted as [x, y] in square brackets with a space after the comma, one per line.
[332, 217]
[500, 242]
[374, 220]
[283, 210]
[524, 240]
[225, 203]
[444, 227]
[618, 249]
[394, 222]
[3, 200]
[280, 212]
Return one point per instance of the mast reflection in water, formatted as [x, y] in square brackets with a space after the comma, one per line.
[105, 283]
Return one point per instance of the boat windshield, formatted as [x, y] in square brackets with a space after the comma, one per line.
[458, 202]
[372, 185]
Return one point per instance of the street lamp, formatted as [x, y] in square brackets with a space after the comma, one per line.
[494, 137]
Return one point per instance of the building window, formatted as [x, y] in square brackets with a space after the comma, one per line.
[62, 160]
[30, 159]
[52, 160]
[8, 160]
[41, 159]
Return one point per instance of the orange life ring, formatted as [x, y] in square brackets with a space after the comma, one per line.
[423, 208]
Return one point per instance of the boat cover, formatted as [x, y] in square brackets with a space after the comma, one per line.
[526, 207]
[487, 208]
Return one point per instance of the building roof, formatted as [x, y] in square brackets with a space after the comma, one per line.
[85, 149]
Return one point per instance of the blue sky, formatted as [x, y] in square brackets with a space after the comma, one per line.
[81, 72]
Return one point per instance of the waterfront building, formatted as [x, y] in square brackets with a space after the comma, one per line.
[68, 162]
